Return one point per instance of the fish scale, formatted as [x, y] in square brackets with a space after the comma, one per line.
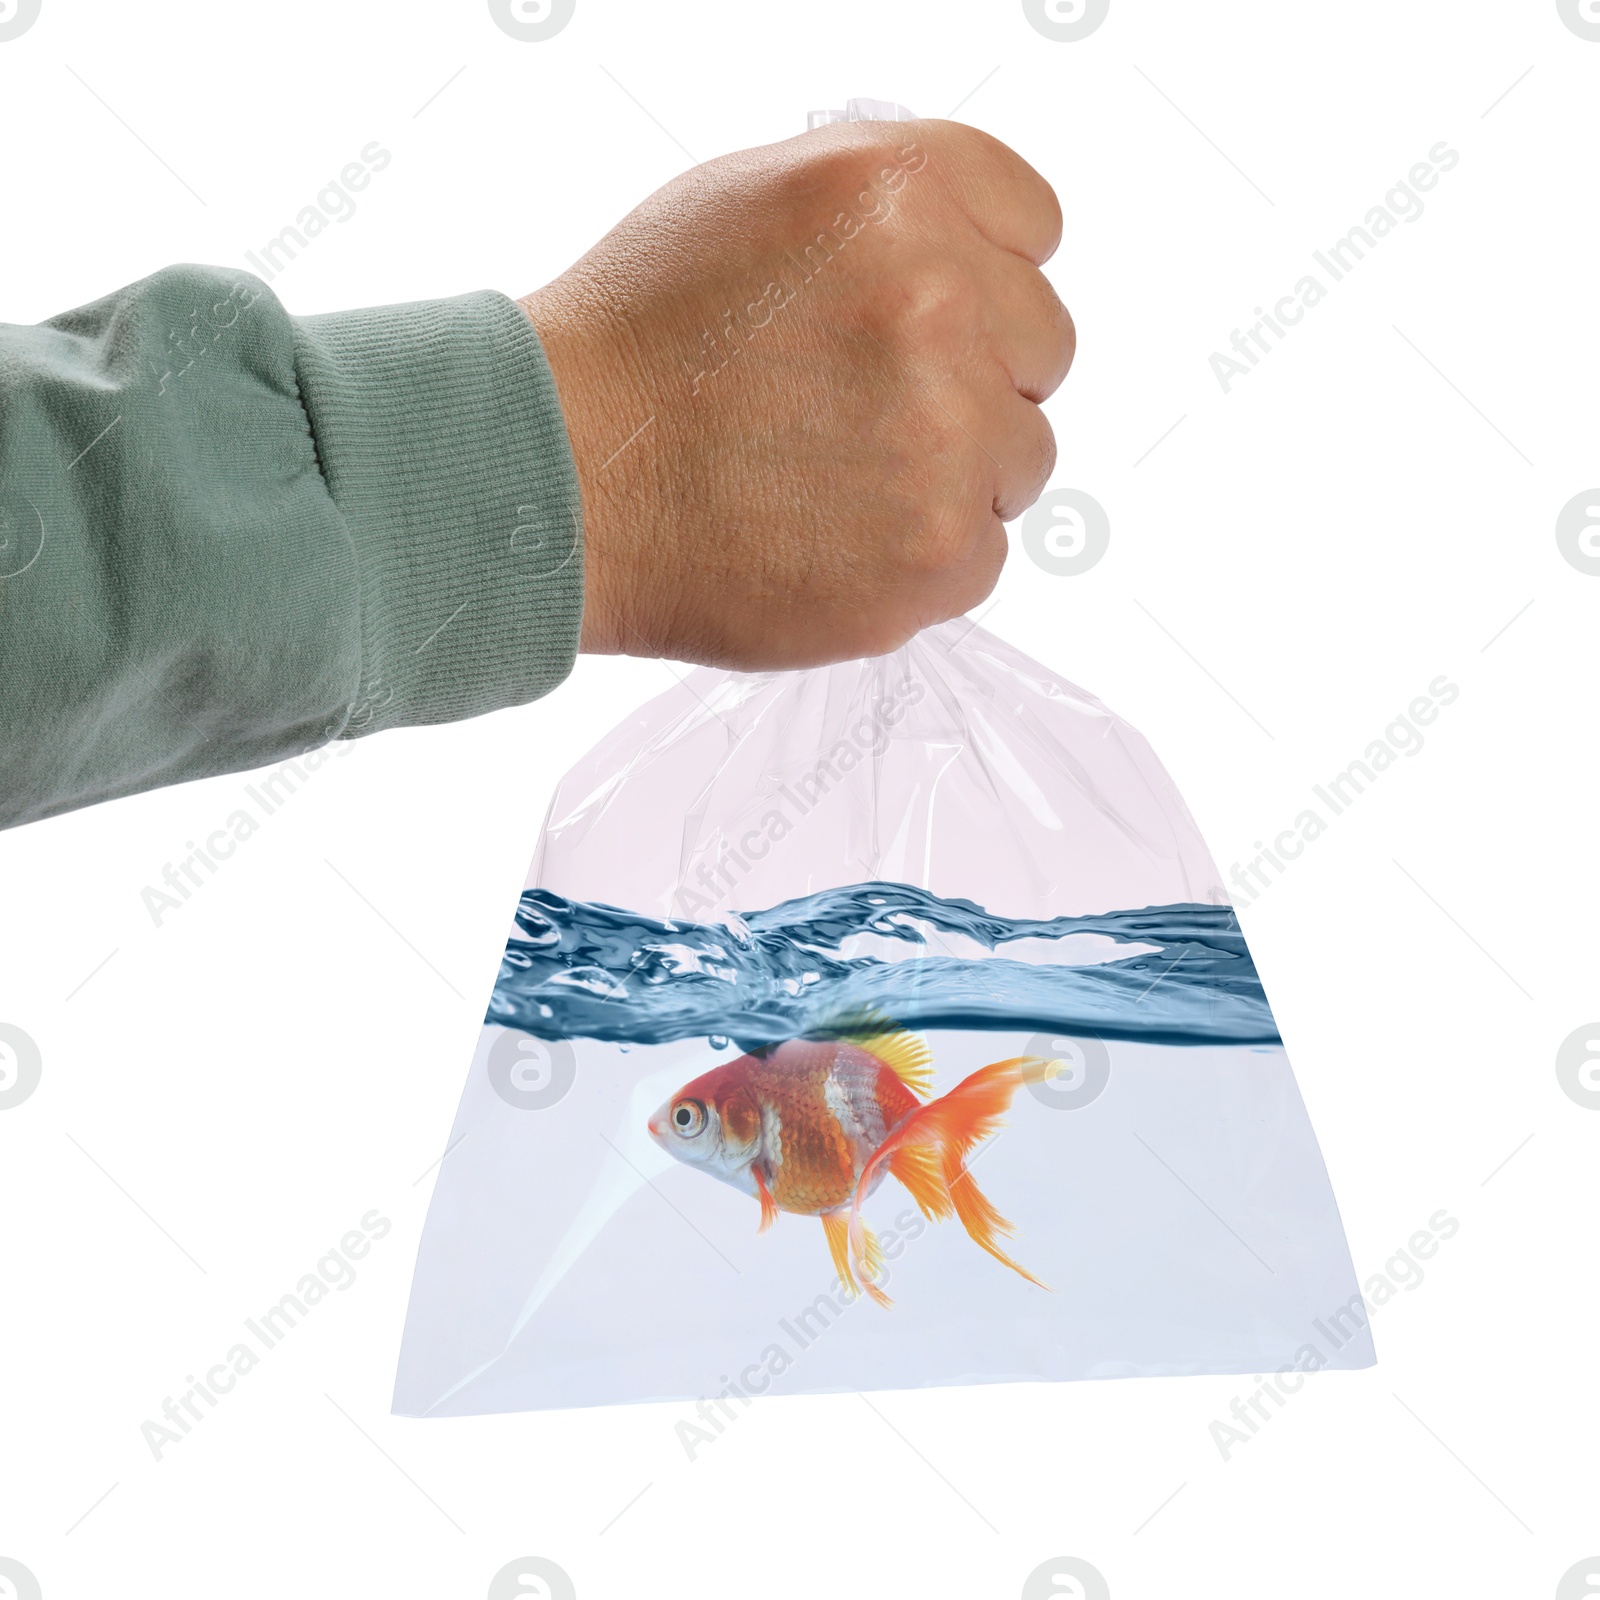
[820, 1155]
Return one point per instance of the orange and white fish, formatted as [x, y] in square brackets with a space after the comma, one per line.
[814, 1126]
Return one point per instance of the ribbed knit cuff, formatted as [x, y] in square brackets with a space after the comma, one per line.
[440, 436]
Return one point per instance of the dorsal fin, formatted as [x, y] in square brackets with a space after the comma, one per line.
[904, 1053]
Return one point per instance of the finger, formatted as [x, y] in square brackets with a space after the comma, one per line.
[1009, 201]
[971, 583]
[1016, 437]
[1029, 329]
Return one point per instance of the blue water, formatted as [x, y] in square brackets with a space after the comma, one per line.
[599, 972]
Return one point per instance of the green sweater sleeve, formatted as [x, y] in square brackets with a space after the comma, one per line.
[228, 535]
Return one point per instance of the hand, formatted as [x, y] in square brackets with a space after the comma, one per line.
[802, 384]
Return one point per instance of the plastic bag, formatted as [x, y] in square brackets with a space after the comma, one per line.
[945, 884]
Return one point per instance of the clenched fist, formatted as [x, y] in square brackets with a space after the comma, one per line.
[802, 385]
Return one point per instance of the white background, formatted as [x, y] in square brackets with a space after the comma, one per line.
[1370, 508]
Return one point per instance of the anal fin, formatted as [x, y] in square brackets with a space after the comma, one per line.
[836, 1225]
[869, 1267]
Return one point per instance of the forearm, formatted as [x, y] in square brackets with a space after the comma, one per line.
[229, 535]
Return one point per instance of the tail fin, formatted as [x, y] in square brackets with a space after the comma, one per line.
[918, 1168]
[979, 1217]
[928, 1153]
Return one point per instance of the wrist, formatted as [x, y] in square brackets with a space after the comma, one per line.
[591, 367]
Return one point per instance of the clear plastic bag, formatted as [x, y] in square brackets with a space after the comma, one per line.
[880, 955]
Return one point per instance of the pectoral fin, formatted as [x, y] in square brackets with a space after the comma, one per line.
[769, 1206]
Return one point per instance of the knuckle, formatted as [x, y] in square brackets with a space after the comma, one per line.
[965, 142]
[1043, 465]
[932, 298]
[839, 163]
[1051, 216]
[1066, 334]
[1030, 469]
[858, 165]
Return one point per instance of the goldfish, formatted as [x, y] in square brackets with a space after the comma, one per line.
[813, 1127]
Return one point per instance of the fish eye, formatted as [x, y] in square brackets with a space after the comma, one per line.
[688, 1118]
